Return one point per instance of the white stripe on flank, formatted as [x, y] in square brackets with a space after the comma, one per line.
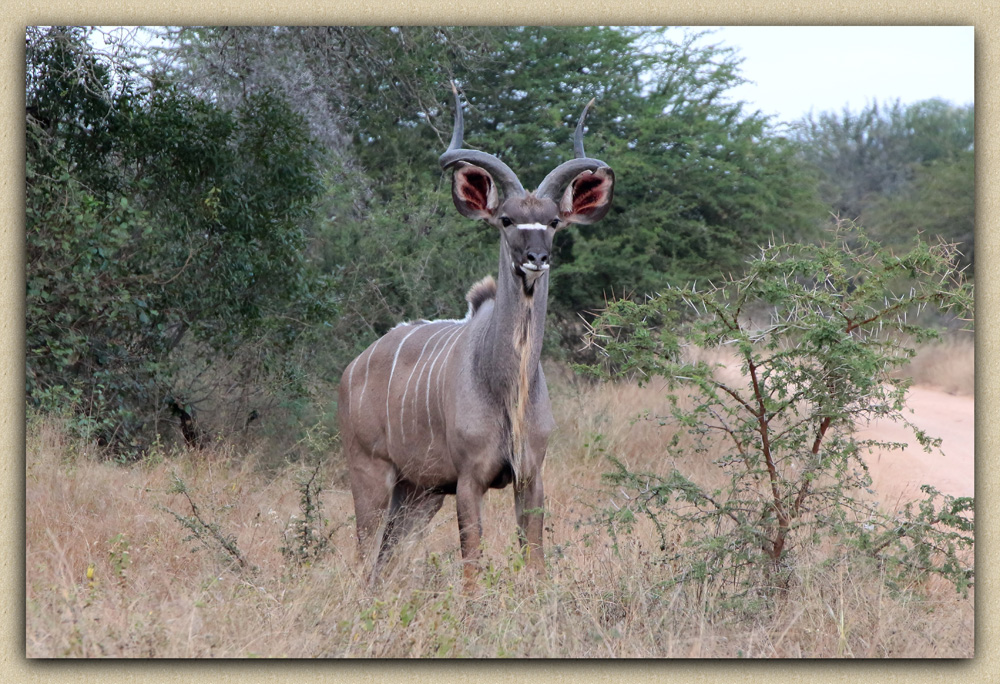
[419, 321]
[371, 353]
[350, 380]
[427, 362]
[427, 394]
[444, 365]
[388, 387]
[406, 390]
[531, 226]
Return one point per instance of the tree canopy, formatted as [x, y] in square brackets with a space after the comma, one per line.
[899, 170]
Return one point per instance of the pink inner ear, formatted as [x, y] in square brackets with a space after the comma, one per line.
[473, 186]
[589, 192]
[588, 196]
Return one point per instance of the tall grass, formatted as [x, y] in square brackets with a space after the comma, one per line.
[948, 365]
[112, 571]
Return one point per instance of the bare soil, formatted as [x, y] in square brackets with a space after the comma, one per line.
[898, 474]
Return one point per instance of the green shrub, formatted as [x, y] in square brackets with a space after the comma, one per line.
[817, 331]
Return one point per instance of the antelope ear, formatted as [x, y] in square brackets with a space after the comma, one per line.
[474, 192]
[588, 196]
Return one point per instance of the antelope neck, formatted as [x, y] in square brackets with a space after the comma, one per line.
[516, 316]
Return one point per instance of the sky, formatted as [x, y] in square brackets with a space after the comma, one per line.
[795, 70]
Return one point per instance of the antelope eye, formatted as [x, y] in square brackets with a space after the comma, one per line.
[554, 223]
[506, 222]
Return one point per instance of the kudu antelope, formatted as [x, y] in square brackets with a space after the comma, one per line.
[460, 406]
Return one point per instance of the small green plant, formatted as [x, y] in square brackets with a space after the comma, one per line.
[372, 614]
[595, 445]
[305, 540]
[304, 536]
[815, 332]
[118, 555]
[208, 534]
[445, 624]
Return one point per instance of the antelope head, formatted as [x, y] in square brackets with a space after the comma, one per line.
[577, 191]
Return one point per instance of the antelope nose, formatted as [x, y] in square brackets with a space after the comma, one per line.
[538, 259]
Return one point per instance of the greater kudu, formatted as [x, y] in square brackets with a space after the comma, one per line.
[460, 406]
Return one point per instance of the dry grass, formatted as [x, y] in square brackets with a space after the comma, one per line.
[948, 365]
[171, 597]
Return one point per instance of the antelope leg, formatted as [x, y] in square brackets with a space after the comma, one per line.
[469, 502]
[529, 499]
[372, 482]
[411, 508]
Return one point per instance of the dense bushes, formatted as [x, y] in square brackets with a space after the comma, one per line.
[155, 220]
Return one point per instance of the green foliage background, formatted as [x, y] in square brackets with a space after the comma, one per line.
[218, 223]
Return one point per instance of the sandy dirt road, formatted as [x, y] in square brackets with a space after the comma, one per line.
[897, 475]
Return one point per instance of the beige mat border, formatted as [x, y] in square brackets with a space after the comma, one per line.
[17, 14]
